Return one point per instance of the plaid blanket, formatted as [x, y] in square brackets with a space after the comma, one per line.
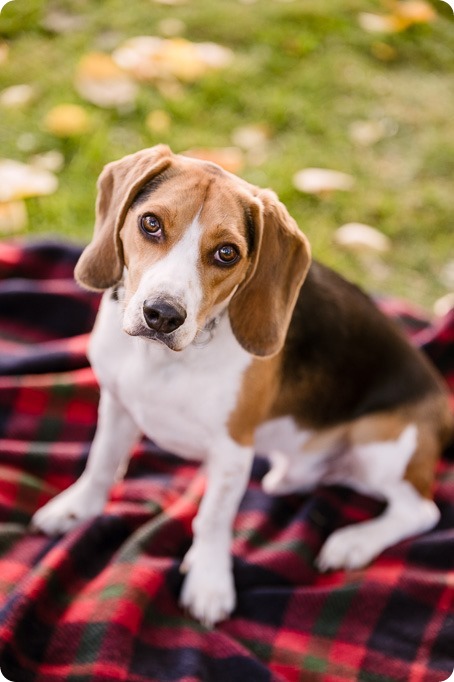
[101, 604]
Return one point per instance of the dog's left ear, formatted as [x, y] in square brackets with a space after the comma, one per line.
[101, 263]
[261, 310]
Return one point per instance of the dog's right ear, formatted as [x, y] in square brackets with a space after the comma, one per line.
[101, 263]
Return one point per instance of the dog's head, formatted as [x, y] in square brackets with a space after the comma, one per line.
[189, 240]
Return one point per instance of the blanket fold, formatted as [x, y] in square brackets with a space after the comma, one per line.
[101, 604]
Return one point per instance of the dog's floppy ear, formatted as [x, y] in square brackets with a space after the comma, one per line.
[101, 263]
[261, 310]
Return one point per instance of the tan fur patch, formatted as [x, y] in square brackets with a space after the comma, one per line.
[434, 422]
[258, 391]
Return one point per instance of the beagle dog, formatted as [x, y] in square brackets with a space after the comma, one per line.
[208, 342]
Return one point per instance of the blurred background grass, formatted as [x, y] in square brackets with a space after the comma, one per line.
[307, 71]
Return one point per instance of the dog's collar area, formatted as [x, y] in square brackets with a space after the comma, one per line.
[205, 335]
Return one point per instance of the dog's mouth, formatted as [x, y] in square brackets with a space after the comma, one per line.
[200, 339]
[168, 340]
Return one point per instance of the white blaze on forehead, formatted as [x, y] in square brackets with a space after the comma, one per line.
[178, 272]
[174, 278]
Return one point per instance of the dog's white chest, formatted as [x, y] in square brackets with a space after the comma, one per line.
[182, 401]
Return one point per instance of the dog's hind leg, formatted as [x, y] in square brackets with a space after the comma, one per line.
[379, 469]
[305, 462]
[289, 474]
[115, 435]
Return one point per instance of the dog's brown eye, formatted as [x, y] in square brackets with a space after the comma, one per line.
[150, 224]
[227, 254]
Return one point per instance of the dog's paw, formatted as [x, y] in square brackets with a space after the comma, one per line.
[348, 548]
[80, 502]
[208, 592]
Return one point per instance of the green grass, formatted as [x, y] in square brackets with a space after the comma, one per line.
[308, 71]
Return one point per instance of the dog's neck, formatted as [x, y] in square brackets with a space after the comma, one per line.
[205, 335]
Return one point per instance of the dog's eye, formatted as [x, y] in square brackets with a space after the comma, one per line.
[151, 225]
[227, 254]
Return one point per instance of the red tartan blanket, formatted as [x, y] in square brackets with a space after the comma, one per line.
[101, 603]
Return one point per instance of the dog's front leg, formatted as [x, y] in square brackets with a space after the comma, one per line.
[115, 435]
[208, 591]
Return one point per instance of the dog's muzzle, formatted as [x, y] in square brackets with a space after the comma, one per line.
[163, 317]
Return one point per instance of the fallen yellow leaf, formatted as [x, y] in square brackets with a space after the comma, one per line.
[322, 181]
[360, 237]
[379, 23]
[60, 21]
[101, 81]
[152, 58]
[414, 12]
[404, 14]
[67, 120]
[251, 137]
[254, 139]
[383, 51]
[13, 217]
[158, 121]
[53, 161]
[367, 133]
[19, 180]
[17, 96]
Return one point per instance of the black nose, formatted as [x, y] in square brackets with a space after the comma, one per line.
[163, 317]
